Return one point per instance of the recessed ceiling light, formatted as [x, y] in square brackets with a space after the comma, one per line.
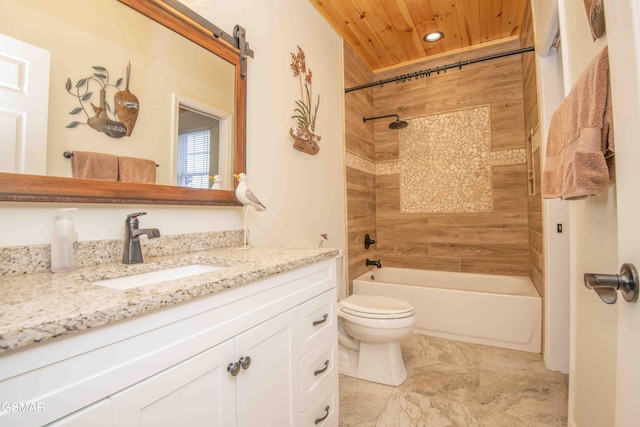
[433, 37]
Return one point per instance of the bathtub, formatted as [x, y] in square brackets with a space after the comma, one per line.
[501, 311]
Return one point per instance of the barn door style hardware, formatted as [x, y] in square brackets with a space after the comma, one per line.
[237, 40]
[606, 285]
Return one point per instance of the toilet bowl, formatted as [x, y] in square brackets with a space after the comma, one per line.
[370, 329]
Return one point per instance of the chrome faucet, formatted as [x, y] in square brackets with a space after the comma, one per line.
[132, 253]
[376, 263]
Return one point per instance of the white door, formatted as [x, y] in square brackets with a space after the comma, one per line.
[268, 390]
[608, 235]
[623, 27]
[196, 392]
[24, 105]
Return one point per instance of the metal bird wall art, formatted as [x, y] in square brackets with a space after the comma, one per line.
[116, 122]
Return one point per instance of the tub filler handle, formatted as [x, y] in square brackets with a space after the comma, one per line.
[606, 285]
[368, 241]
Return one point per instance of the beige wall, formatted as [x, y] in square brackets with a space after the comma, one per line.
[304, 194]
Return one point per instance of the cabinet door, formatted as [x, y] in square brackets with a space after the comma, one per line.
[96, 415]
[196, 392]
[268, 391]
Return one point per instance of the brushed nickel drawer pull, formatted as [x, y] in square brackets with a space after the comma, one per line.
[319, 322]
[321, 419]
[320, 371]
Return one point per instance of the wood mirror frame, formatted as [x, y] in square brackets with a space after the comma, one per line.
[41, 188]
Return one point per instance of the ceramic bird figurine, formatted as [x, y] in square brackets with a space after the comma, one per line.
[246, 196]
[216, 182]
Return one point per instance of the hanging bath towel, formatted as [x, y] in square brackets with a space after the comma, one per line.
[579, 155]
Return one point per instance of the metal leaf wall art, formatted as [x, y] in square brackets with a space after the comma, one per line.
[114, 122]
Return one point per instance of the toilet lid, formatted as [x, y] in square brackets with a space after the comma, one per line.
[376, 307]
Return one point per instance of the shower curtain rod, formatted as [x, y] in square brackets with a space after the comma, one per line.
[426, 73]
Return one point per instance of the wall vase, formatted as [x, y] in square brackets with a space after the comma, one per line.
[305, 141]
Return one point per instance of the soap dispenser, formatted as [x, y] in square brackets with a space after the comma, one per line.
[64, 243]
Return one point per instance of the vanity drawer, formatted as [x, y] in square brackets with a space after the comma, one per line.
[323, 411]
[317, 369]
[318, 320]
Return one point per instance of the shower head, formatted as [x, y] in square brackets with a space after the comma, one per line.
[398, 124]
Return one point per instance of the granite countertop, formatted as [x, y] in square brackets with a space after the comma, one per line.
[40, 306]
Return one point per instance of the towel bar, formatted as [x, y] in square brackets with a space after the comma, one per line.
[606, 285]
[69, 154]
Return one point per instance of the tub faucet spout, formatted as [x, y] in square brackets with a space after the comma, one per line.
[376, 263]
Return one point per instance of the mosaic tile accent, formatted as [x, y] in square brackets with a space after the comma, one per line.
[388, 168]
[359, 163]
[508, 157]
[445, 162]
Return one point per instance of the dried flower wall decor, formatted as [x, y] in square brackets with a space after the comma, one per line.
[304, 136]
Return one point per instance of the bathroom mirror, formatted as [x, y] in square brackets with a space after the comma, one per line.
[160, 17]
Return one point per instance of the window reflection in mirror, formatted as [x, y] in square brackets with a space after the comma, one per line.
[197, 149]
[202, 145]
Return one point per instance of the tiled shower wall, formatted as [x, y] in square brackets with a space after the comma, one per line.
[531, 120]
[485, 230]
[360, 167]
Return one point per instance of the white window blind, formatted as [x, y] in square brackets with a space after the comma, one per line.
[194, 152]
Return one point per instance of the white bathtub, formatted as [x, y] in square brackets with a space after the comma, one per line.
[501, 311]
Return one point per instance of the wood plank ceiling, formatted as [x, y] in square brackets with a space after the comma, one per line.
[388, 34]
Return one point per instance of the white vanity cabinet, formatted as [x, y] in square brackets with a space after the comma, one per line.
[202, 392]
[267, 391]
[99, 414]
[247, 356]
[196, 392]
[318, 361]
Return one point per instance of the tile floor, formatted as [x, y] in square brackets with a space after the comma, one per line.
[452, 383]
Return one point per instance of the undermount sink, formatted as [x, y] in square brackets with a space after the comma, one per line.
[159, 276]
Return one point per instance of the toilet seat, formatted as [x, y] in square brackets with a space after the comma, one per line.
[376, 307]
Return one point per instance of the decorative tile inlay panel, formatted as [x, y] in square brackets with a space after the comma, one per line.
[356, 162]
[445, 162]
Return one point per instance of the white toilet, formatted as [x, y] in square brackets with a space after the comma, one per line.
[370, 329]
